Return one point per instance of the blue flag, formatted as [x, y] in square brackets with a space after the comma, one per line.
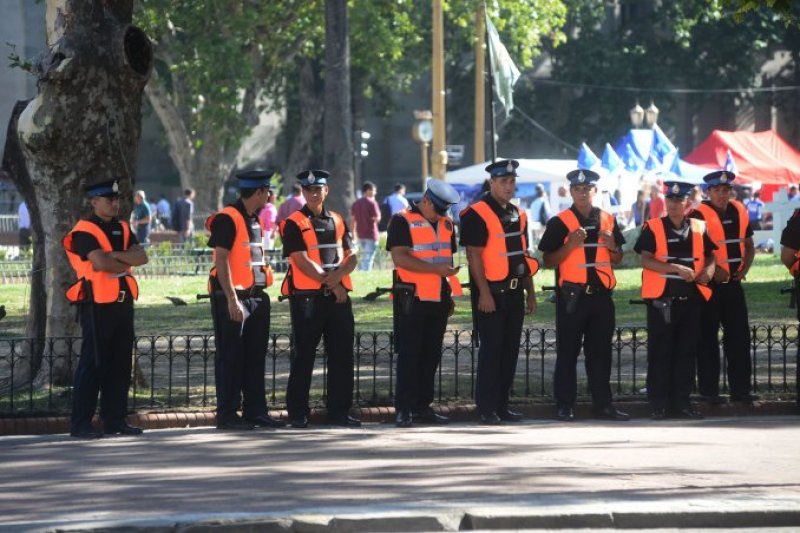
[611, 161]
[662, 146]
[730, 164]
[586, 158]
[652, 164]
[633, 163]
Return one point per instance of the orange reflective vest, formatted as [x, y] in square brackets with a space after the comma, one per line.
[654, 283]
[717, 234]
[573, 268]
[295, 276]
[240, 259]
[494, 255]
[431, 246]
[105, 286]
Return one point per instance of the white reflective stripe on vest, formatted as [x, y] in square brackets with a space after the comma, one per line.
[730, 241]
[675, 258]
[587, 265]
[509, 254]
[322, 246]
[431, 246]
[512, 234]
[436, 260]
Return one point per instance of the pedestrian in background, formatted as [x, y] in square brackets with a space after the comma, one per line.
[268, 216]
[102, 249]
[182, 214]
[397, 200]
[755, 210]
[295, 202]
[141, 217]
[657, 206]
[164, 212]
[24, 225]
[365, 214]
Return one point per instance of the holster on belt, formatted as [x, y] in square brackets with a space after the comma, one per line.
[571, 293]
[664, 304]
[403, 297]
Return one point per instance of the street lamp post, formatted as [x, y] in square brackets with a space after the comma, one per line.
[637, 115]
[651, 115]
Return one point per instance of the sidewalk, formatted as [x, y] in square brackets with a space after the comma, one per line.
[722, 472]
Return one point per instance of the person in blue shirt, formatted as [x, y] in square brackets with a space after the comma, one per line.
[755, 209]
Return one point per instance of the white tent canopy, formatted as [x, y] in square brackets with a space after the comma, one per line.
[530, 170]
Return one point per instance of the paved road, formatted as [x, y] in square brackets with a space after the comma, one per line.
[536, 468]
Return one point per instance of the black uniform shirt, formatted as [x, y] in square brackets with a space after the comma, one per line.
[84, 243]
[556, 231]
[223, 229]
[325, 227]
[730, 225]
[679, 244]
[475, 233]
[399, 234]
[790, 236]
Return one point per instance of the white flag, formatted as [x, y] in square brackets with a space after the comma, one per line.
[504, 71]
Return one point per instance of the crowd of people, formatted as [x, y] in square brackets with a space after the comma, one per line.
[694, 263]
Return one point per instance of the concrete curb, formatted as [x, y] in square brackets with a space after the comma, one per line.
[49, 425]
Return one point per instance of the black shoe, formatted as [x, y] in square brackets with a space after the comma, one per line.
[301, 422]
[490, 419]
[86, 432]
[344, 420]
[507, 415]
[122, 429]
[609, 412]
[266, 421]
[429, 416]
[658, 414]
[687, 413]
[745, 398]
[565, 413]
[234, 424]
[403, 419]
[713, 399]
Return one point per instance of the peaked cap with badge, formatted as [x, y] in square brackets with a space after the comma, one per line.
[106, 189]
[313, 178]
[719, 177]
[582, 176]
[502, 168]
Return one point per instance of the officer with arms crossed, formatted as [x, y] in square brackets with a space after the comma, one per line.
[495, 233]
[102, 249]
[583, 242]
[729, 229]
[678, 262]
[240, 306]
[422, 242]
[319, 247]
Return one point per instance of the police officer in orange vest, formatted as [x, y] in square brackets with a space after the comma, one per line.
[495, 233]
[678, 262]
[422, 241]
[728, 225]
[583, 243]
[240, 306]
[318, 244]
[102, 249]
[790, 256]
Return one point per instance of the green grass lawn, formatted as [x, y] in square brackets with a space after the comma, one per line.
[155, 315]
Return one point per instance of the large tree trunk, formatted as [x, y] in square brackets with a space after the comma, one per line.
[311, 110]
[82, 127]
[338, 133]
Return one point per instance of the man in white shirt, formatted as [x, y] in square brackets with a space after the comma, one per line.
[397, 201]
[24, 227]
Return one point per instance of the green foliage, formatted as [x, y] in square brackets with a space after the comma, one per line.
[15, 61]
[787, 10]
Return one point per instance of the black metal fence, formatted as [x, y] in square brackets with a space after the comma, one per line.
[177, 371]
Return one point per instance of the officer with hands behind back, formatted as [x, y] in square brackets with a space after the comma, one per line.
[494, 232]
[583, 243]
[728, 226]
[678, 262]
[240, 306]
[102, 249]
[422, 241]
[318, 244]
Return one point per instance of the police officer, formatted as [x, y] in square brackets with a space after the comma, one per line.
[422, 242]
[318, 244]
[678, 262]
[494, 232]
[102, 249]
[790, 256]
[583, 242]
[729, 229]
[240, 306]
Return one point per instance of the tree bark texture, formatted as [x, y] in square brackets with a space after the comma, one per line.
[338, 128]
[82, 127]
[311, 110]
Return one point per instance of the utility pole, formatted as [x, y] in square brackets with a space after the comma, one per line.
[480, 83]
[439, 155]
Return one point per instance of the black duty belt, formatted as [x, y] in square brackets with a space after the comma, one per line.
[511, 284]
[586, 288]
[313, 293]
[253, 292]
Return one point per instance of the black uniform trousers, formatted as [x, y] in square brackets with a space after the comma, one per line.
[500, 334]
[590, 325]
[671, 350]
[241, 354]
[727, 307]
[418, 337]
[104, 365]
[314, 318]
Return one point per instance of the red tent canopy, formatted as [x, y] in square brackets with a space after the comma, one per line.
[759, 156]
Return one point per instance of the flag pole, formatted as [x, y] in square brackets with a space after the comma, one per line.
[493, 142]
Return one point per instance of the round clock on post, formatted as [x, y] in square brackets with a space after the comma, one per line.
[422, 133]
